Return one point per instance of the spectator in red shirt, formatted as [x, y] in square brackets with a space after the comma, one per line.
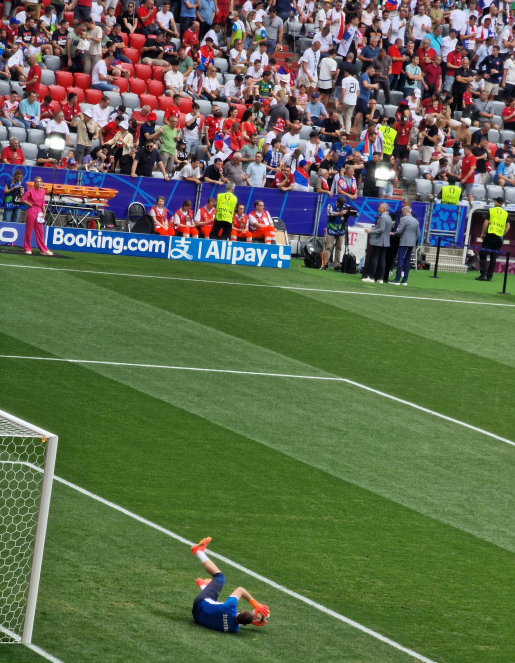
[402, 141]
[190, 36]
[397, 59]
[70, 112]
[174, 110]
[236, 138]
[12, 30]
[13, 154]
[426, 54]
[110, 130]
[147, 17]
[468, 168]
[433, 73]
[213, 124]
[47, 110]
[508, 116]
[284, 180]
[34, 75]
[452, 65]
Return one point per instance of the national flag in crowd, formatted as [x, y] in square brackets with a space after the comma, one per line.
[301, 176]
[319, 156]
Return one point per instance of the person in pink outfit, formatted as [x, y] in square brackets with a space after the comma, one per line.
[35, 201]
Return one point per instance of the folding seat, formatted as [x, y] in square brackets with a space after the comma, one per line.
[64, 78]
[57, 92]
[148, 100]
[164, 102]
[82, 80]
[137, 86]
[137, 41]
[78, 91]
[143, 71]
[122, 83]
[132, 54]
[158, 73]
[185, 105]
[155, 87]
[93, 96]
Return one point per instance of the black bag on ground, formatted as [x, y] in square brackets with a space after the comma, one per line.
[144, 226]
[349, 263]
[312, 259]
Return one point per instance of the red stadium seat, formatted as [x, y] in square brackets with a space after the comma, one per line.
[82, 80]
[185, 105]
[122, 83]
[93, 96]
[43, 91]
[182, 120]
[126, 66]
[19, 10]
[57, 92]
[118, 12]
[124, 36]
[137, 41]
[164, 103]
[155, 87]
[68, 16]
[158, 73]
[45, 3]
[64, 78]
[78, 91]
[137, 86]
[143, 71]
[241, 109]
[148, 100]
[132, 54]
[56, 106]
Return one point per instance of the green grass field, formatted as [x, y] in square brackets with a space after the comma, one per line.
[389, 515]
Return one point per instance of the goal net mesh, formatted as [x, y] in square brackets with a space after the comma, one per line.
[22, 460]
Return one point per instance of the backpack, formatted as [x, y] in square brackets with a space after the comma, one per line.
[349, 263]
[312, 259]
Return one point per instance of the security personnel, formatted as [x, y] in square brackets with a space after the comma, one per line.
[225, 206]
[451, 194]
[494, 230]
[389, 136]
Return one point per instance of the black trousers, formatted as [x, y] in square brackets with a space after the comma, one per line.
[223, 226]
[391, 253]
[370, 192]
[385, 87]
[376, 264]
[491, 243]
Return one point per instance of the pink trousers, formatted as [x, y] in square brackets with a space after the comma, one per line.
[30, 225]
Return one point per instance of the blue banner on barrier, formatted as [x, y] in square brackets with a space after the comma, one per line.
[13, 233]
[169, 248]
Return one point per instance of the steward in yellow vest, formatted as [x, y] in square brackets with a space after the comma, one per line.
[389, 136]
[225, 206]
[492, 235]
[451, 194]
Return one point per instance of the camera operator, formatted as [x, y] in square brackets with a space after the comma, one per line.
[337, 222]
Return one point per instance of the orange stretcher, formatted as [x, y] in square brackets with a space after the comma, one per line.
[92, 193]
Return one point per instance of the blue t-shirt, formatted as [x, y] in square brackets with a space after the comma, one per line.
[315, 109]
[370, 53]
[219, 616]
[364, 92]
[187, 12]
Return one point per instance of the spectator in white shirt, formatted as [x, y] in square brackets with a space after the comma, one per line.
[399, 24]
[233, 90]
[308, 67]
[59, 126]
[100, 79]
[325, 39]
[100, 112]
[174, 80]
[166, 21]
[419, 26]
[261, 55]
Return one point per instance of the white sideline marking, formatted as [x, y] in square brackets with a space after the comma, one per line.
[274, 375]
[263, 285]
[257, 576]
[34, 648]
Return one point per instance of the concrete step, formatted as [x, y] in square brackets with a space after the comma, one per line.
[450, 260]
[444, 251]
[443, 267]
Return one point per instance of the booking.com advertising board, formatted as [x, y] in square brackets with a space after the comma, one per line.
[154, 246]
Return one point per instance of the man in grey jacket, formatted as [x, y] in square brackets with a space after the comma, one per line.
[379, 242]
[409, 232]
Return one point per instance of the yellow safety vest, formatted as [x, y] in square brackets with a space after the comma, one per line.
[451, 194]
[225, 206]
[389, 136]
[498, 218]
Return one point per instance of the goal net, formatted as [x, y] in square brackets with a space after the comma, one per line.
[27, 459]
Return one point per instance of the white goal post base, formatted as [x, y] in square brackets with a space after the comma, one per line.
[27, 461]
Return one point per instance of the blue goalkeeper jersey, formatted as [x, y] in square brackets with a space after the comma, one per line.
[219, 616]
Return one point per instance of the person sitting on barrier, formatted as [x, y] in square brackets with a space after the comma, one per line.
[240, 225]
[205, 217]
[261, 224]
[159, 214]
[494, 229]
[183, 221]
[506, 176]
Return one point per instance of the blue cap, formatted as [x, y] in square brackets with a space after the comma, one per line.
[14, 21]
[72, 162]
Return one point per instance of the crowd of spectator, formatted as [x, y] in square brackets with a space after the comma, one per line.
[388, 78]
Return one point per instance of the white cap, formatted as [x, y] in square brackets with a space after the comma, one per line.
[124, 125]
[88, 113]
[466, 120]
[418, 93]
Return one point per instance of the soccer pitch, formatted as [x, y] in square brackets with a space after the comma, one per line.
[349, 448]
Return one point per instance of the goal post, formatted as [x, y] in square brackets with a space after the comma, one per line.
[27, 461]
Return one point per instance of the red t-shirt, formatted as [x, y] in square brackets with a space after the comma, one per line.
[430, 53]
[69, 112]
[171, 111]
[454, 59]
[143, 11]
[213, 126]
[84, 3]
[279, 177]
[466, 164]
[47, 109]
[15, 157]
[109, 131]
[506, 112]
[432, 73]
[403, 132]
[396, 66]
[189, 38]
[136, 115]
[467, 98]
[34, 71]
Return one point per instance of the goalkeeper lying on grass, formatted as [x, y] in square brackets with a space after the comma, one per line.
[222, 616]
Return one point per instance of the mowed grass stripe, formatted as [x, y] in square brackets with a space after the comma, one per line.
[427, 585]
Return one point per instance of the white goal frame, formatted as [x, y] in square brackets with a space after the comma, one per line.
[51, 441]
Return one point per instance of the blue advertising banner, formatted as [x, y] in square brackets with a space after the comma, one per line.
[448, 222]
[12, 233]
[168, 248]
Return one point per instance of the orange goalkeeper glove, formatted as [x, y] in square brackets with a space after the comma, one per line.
[262, 612]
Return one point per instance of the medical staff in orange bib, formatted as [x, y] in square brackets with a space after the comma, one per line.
[159, 215]
[240, 225]
[261, 224]
[183, 221]
[205, 217]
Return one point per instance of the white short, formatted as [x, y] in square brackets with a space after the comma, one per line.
[425, 153]
[492, 88]
[304, 80]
